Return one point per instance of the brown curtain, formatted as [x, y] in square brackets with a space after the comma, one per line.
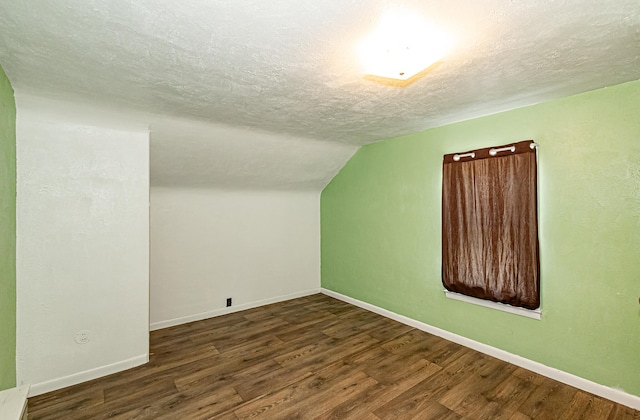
[490, 225]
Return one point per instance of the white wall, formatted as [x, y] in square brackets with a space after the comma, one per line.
[82, 245]
[253, 246]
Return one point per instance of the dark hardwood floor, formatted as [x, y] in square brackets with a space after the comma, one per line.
[318, 358]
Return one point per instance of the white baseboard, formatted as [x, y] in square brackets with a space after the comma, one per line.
[87, 375]
[224, 311]
[609, 393]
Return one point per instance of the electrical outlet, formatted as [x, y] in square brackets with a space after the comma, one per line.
[228, 302]
[83, 336]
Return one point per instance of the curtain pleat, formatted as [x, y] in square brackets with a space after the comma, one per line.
[490, 226]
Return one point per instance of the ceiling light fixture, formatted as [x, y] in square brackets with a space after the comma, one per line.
[402, 46]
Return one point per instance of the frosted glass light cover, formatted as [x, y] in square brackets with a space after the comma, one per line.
[402, 47]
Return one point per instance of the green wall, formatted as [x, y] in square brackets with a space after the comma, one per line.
[380, 230]
[7, 234]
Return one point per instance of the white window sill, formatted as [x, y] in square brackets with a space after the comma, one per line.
[13, 403]
[529, 313]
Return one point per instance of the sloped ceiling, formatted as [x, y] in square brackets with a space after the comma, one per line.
[270, 93]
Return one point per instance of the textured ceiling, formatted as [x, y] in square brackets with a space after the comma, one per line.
[290, 68]
[198, 154]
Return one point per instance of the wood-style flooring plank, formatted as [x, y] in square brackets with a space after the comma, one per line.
[308, 398]
[317, 358]
[586, 406]
[548, 400]
[379, 395]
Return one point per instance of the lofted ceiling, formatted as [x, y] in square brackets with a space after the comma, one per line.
[271, 94]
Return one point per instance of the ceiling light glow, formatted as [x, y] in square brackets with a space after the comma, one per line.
[401, 47]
